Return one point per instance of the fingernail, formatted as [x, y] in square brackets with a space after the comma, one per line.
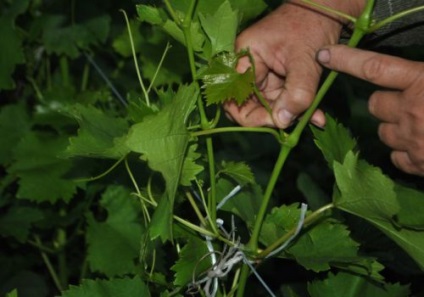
[285, 118]
[323, 56]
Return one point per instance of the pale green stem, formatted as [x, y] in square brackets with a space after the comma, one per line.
[271, 131]
[102, 174]
[331, 11]
[393, 18]
[137, 69]
[49, 265]
[168, 46]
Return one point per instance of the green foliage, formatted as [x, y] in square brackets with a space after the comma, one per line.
[109, 288]
[171, 172]
[163, 143]
[353, 285]
[120, 232]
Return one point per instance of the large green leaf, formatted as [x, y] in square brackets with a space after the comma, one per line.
[40, 171]
[162, 140]
[69, 40]
[366, 192]
[221, 28]
[11, 52]
[411, 212]
[350, 285]
[14, 123]
[326, 244]
[99, 135]
[113, 245]
[222, 82]
[17, 222]
[125, 287]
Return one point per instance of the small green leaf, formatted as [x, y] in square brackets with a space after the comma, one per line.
[162, 139]
[334, 141]
[221, 28]
[17, 222]
[109, 288]
[100, 135]
[239, 171]
[192, 262]
[222, 82]
[350, 285]
[114, 245]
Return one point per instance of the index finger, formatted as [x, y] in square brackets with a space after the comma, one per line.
[383, 70]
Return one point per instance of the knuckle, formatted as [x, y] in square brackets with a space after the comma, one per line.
[373, 68]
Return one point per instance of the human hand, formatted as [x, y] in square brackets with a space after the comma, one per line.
[400, 106]
[283, 45]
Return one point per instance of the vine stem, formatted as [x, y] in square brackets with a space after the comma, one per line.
[238, 129]
[361, 26]
[394, 18]
[137, 69]
[49, 265]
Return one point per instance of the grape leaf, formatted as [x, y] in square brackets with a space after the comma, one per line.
[334, 141]
[244, 204]
[190, 168]
[69, 40]
[239, 171]
[99, 135]
[411, 203]
[350, 285]
[109, 288]
[367, 193]
[114, 244]
[11, 52]
[221, 28]
[14, 123]
[39, 169]
[222, 82]
[156, 16]
[249, 9]
[320, 247]
[17, 222]
[313, 193]
[191, 261]
[163, 139]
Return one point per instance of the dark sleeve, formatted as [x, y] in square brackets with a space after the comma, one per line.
[408, 30]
